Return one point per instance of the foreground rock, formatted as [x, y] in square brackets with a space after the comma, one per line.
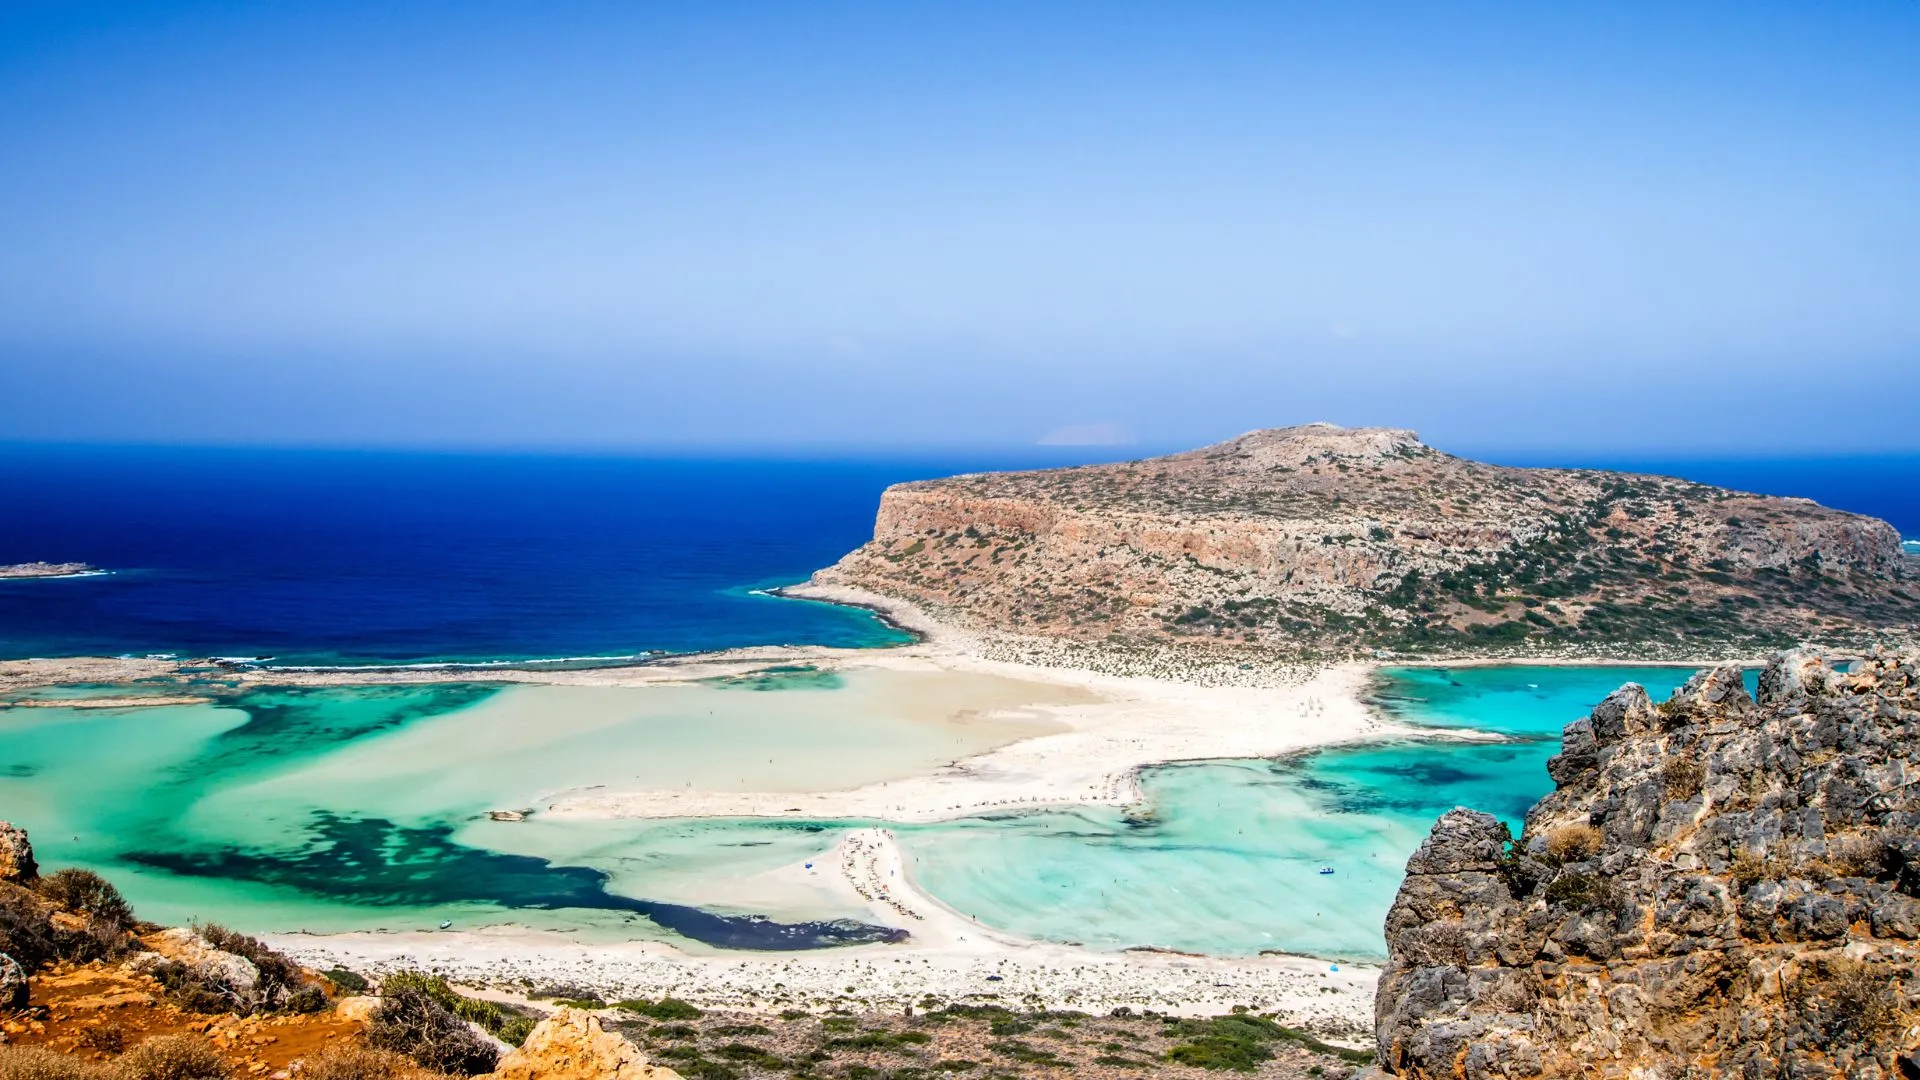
[572, 1045]
[1719, 887]
[1317, 536]
[16, 856]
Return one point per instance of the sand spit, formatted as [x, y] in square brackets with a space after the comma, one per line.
[949, 957]
[1134, 722]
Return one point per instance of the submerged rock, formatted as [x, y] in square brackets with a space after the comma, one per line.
[572, 1045]
[1718, 887]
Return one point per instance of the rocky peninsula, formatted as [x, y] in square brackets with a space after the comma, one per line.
[1719, 886]
[1318, 540]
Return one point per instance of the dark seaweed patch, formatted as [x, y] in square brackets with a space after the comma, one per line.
[374, 862]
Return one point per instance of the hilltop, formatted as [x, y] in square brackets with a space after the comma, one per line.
[1326, 538]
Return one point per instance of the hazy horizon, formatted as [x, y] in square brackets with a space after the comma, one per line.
[1522, 231]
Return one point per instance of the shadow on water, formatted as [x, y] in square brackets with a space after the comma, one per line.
[376, 863]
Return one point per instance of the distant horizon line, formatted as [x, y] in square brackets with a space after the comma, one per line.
[1527, 454]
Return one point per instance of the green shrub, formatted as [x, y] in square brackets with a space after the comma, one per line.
[503, 1022]
[86, 893]
[349, 981]
[283, 987]
[411, 1021]
[26, 934]
[667, 1008]
[1581, 892]
[1239, 1042]
[1025, 1053]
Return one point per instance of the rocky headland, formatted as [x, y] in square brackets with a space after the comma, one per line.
[1720, 886]
[1319, 539]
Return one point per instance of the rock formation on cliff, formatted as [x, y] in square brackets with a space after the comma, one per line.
[1321, 536]
[1718, 887]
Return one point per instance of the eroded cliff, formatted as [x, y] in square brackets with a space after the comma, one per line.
[1719, 886]
[1320, 536]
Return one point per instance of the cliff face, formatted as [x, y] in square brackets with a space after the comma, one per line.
[1369, 537]
[1719, 887]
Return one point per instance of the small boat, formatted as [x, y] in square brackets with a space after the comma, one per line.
[1326, 869]
[447, 925]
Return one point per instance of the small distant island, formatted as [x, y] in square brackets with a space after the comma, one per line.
[49, 570]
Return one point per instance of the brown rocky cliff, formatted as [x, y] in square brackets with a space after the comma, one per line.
[1719, 886]
[1367, 537]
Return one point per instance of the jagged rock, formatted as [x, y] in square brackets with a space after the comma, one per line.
[1718, 886]
[572, 1045]
[13, 984]
[181, 945]
[16, 856]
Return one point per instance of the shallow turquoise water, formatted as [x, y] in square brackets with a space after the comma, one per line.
[356, 807]
[352, 808]
[1228, 861]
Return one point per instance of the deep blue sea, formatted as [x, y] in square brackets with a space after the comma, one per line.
[344, 558]
[355, 557]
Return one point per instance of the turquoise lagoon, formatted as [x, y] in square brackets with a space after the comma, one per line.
[1225, 859]
[365, 808]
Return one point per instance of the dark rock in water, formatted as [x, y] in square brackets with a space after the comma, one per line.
[1719, 887]
[16, 856]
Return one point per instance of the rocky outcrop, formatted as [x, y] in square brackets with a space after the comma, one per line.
[573, 1045]
[45, 569]
[16, 856]
[216, 967]
[1318, 535]
[1719, 886]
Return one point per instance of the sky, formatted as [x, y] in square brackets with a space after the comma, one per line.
[1610, 228]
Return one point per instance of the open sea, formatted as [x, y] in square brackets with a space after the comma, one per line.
[356, 807]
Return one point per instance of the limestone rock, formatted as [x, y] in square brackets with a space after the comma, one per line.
[1324, 536]
[16, 856]
[1718, 886]
[183, 946]
[359, 1008]
[572, 1045]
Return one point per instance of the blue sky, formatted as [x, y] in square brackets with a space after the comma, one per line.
[1630, 228]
